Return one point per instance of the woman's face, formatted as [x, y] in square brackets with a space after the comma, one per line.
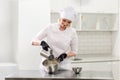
[64, 23]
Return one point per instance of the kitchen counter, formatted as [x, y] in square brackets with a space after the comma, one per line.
[60, 75]
[93, 58]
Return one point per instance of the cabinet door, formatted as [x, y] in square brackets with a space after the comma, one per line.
[101, 6]
[56, 5]
[98, 21]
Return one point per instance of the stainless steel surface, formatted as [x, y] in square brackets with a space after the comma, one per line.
[60, 75]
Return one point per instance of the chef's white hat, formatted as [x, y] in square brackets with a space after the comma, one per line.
[68, 13]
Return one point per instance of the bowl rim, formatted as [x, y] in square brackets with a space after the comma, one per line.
[77, 67]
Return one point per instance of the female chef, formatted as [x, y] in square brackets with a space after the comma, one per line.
[61, 38]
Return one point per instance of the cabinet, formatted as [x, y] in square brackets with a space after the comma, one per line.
[94, 15]
[99, 6]
[98, 22]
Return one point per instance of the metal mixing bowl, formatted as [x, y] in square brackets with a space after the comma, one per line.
[51, 65]
[77, 70]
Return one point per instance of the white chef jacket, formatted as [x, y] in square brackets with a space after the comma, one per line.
[60, 42]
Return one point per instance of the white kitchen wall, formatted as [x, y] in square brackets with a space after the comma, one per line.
[116, 51]
[7, 23]
[14, 29]
[33, 16]
[95, 42]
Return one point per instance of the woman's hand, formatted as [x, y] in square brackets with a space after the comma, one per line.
[62, 57]
[65, 55]
[71, 54]
[44, 45]
[36, 42]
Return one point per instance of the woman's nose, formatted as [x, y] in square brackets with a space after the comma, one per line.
[66, 24]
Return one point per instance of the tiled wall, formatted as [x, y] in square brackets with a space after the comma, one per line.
[95, 42]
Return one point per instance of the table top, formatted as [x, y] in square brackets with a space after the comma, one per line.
[60, 75]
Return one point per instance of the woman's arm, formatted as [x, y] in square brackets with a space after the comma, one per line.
[36, 42]
[40, 36]
[73, 45]
[71, 54]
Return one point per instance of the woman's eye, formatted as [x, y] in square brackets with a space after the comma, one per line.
[64, 20]
[69, 22]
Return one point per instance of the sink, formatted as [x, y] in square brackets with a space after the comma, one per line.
[76, 59]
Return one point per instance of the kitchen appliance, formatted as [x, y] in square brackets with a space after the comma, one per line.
[51, 63]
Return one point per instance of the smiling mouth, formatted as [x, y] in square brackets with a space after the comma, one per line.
[64, 27]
